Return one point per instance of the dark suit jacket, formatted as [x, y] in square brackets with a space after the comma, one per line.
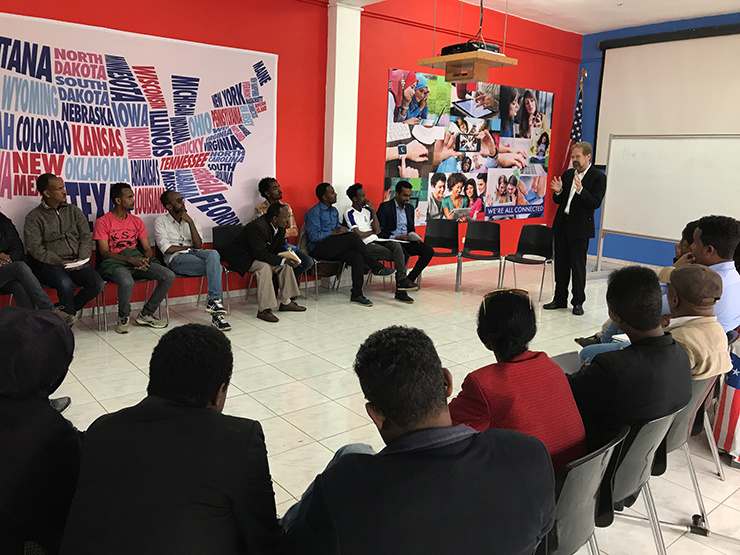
[649, 379]
[441, 490]
[386, 214]
[162, 477]
[581, 217]
[257, 241]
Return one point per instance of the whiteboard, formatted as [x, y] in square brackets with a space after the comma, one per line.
[656, 184]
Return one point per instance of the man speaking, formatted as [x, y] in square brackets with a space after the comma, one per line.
[578, 193]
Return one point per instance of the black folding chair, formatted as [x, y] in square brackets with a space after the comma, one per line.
[482, 242]
[442, 236]
[534, 248]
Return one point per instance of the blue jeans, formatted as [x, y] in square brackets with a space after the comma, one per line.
[199, 262]
[292, 514]
[124, 277]
[18, 279]
[306, 264]
[65, 282]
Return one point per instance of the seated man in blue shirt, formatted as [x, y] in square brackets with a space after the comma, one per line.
[396, 218]
[327, 240]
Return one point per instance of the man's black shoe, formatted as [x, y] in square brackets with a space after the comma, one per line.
[554, 305]
[403, 297]
[60, 404]
[578, 309]
[594, 339]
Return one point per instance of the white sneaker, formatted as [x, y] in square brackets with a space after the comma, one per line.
[124, 326]
[150, 320]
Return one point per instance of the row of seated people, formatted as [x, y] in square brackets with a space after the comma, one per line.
[173, 474]
[59, 245]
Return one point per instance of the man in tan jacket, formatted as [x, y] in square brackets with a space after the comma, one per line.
[693, 290]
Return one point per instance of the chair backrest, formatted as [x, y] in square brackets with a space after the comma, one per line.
[576, 494]
[302, 242]
[569, 362]
[442, 234]
[681, 427]
[636, 457]
[223, 235]
[535, 239]
[483, 236]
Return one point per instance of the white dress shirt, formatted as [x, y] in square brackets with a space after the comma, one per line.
[168, 233]
[573, 189]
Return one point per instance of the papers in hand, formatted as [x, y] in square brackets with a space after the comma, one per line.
[70, 265]
[290, 255]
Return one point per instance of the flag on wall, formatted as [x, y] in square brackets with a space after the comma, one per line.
[577, 127]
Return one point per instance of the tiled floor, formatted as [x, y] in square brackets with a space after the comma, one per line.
[295, 377]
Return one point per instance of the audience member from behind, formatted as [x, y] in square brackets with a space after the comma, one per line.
[173, 474]
[435, 488]
[40, 449]
[648, 379]
[58, 233]
[523, 391]
[693, 291]
[715, 241]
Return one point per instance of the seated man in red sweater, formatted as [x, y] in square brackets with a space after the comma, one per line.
[524, 391]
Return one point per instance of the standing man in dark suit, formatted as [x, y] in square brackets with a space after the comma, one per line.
[173, 474]
[260, 249]
[396, 218]
[577, 194]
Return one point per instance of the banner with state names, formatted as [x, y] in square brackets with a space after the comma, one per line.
[96, 106]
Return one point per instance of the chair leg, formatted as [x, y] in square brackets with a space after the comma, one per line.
[542, 281]
[228, 294]
[503, 276]
[593, 547]
[166, 308]
[249, 286]
[704, 522]
[713, 447]
[653, 517]
[513, 269]
[105, 312]
[200, 291]
[500, 267]
[458, 275]
[316, 279]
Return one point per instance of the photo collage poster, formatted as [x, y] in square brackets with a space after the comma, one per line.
[475, 151]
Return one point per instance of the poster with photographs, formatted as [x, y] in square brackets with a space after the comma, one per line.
[471, 150]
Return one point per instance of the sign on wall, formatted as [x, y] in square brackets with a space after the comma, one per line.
[96, 107]
[470, 150]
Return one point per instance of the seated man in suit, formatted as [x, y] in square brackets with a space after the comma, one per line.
[435, 488]
[260, 249]
[119, 234]
[649, 379]
[328, 240]
[180, 239]
[396, 218]
[173, 474]
[269, 188]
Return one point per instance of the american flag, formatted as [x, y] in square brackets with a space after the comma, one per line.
[726, 432]
[576, 128]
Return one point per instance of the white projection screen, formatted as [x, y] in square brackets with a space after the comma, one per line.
[684, 87]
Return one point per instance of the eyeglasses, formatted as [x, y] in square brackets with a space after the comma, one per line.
[522, 292]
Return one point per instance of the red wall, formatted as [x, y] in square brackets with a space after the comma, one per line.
[396, 34]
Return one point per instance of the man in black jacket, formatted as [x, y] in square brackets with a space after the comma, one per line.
[649, 379]
[260, 249]
[17, 278]
[577, 194]
[396, 218]
[173, 474]
[435, 488]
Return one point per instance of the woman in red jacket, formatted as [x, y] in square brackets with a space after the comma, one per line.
[524, 391]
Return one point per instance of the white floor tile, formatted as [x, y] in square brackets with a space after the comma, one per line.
[283, 399]
[294, 470]
[325, 420]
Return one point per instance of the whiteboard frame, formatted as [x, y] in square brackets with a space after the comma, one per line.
[604, 232]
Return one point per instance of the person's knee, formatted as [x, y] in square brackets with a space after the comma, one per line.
[166, 276]
[212, 256]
